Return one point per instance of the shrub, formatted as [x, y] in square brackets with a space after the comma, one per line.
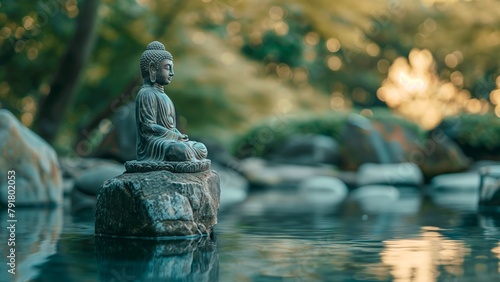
[270, 133]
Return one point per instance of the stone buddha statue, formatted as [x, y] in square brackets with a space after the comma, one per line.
[158, 139]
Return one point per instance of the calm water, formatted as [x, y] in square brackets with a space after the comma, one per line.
[275, 236]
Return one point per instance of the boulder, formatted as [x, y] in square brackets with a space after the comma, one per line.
[387, 141]
[402, 174]
[362, 142]
[36, 170]
[158, 204]
[439, 155]
[307, 149]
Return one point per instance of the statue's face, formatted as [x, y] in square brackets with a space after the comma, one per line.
[165, 72]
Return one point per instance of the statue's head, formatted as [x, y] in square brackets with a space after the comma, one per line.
[156, 64]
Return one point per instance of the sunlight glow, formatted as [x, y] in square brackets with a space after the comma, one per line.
[419, 259]
[495, 97]
[337, 101]
[334, 63]
[276, 13]
[333, 45]
[496, 251]
[414, 89]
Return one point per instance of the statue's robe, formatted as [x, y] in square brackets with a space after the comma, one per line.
[157, 135]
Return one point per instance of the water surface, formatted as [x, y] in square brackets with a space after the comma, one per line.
[274, 236]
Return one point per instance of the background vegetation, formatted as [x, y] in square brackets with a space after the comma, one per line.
[68, 65]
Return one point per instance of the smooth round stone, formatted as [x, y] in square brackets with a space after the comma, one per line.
[407, 174]
[457, 181]
[323, 190]
[90, 181]
[38, 178]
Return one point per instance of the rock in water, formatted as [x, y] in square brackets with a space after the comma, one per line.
[88, 183]
[38, 178]
[158, 203]
[405, 174]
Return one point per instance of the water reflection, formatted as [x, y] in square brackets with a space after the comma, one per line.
[419, 259]
[496, 251]
[273, 236]
[148, 260]
[37, 233]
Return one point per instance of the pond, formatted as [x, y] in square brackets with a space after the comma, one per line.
[274, 235]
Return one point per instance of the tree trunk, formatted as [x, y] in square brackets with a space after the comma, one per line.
[123, 98]
[62, 90]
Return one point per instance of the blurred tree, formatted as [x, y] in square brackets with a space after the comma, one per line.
[237, 61]
[62, 89]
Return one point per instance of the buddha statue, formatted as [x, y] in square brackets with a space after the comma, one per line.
[158, 139]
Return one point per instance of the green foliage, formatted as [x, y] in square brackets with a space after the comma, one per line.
[270, 133]
[31, 37]
[228, 54]
[478, 130]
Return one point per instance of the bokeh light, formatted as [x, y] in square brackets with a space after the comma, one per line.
[414, 89]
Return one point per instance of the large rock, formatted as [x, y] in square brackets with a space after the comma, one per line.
[362, 142]
[439, 155]
[387, 141]
[38, 179]
[158, 203]
[312, 149]
[404, 174]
